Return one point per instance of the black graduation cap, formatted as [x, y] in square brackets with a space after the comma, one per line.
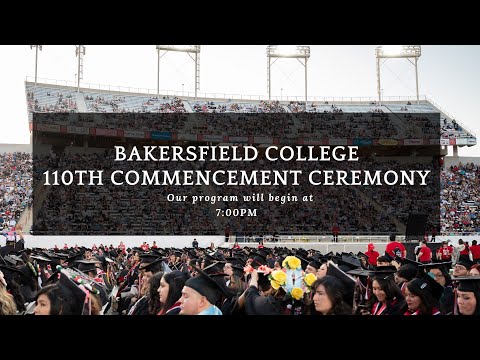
[77, 304]
[361, 254]
[468, 283]
[70, 260]
[214, 268]
[384, 269]
[258, 260]
[304, 262]
[329, 255]
[405, 261]
[350, 260]
[315, 262]
[347, 281]
[9, 260]
[235, 261]
[159, 252]
[211, 258]
[9, 272]
[16, 258]
[40, 258]
[360, 272]
[237, 270]
[383, 272]
[426, 282]
[407, 271]
[87, 265]
[148, 258]
[206, 286]
[52, 278]
[466, 262]
[154, 266]
[436, 265]
[388, 257]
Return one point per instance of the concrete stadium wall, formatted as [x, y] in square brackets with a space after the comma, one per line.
[204, 241]
[129, 241]
[8, 148]
[451, 160]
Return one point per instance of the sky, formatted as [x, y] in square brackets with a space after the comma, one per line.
[448, 75]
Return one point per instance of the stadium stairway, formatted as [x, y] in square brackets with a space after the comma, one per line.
[40, 194]
[26, 220]
[81, 105]
[401, 125]
[187, 107]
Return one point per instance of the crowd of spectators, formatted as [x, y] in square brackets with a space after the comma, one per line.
[15, 188]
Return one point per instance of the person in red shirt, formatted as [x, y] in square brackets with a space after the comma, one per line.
[475, 251]
[444, 253]
[335, 231]
[425, 254]
[154, 246]
[465, 250]
[65, 247]
[122, 248]
[260, 244]
[394, 248]
[372, 254]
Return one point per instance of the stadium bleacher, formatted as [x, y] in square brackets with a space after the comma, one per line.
[459, 214]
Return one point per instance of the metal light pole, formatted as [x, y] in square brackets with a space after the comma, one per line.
[189, 49]
[37, 47]
[398, 51]
[281, 51]
[80, 53]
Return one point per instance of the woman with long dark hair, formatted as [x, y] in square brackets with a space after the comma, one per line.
[66, 297]
[329, 295]
[422, 296]
[154, 305]
[387, 298]
[468, 295]
[170, 292]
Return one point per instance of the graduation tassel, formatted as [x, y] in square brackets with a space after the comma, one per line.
[455, 304]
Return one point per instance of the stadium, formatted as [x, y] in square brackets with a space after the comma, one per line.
[79, 123]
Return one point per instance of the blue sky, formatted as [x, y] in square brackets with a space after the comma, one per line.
[447, 74]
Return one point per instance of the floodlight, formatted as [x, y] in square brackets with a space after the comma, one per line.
[189, 49]
[397, 51]
[287, 51]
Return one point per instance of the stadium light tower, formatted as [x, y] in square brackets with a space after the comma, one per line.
[398, 51]
[189, 49]
[286, 51]
[80, 53]
[37, 47]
